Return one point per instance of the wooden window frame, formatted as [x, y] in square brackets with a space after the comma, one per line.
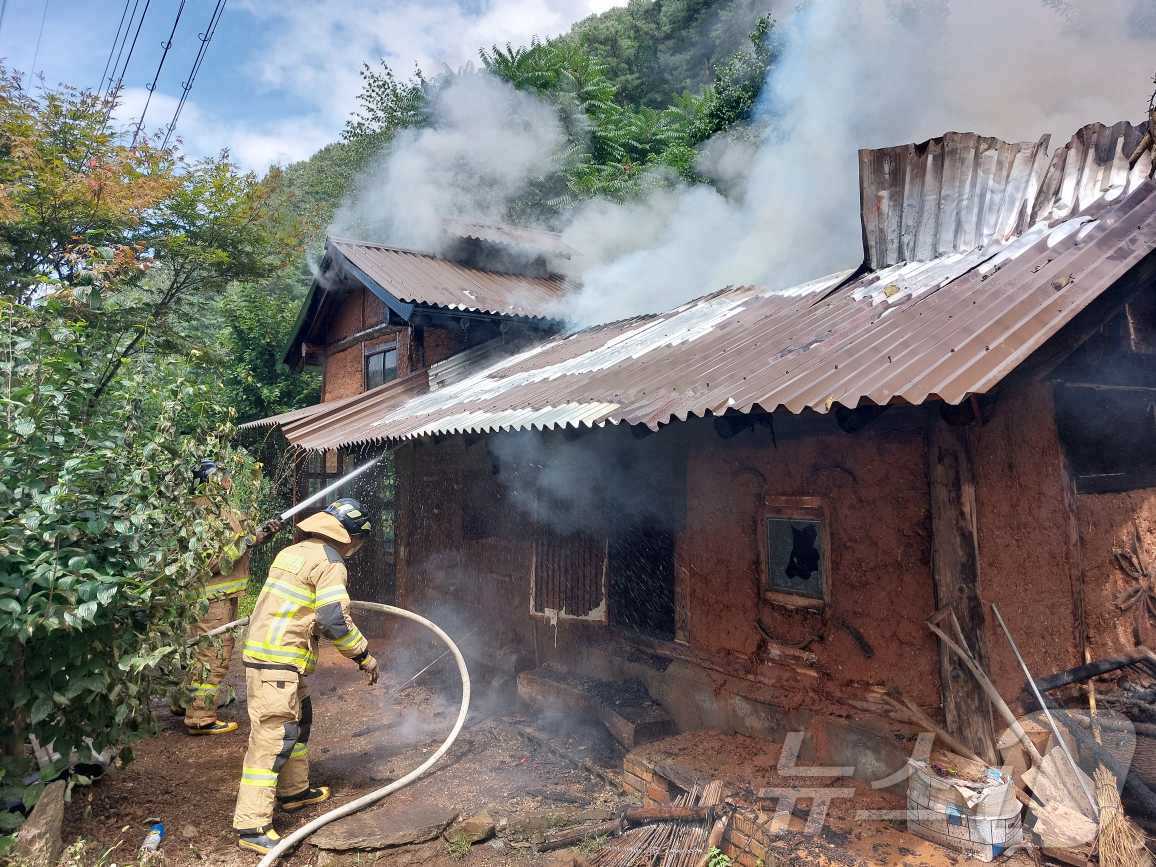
[599, 615]
[804, 508]
[380, 349]
[325, 476]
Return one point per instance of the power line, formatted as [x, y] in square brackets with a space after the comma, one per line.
[123, 39]
[39, 36]
[205, 38]
[3, 9]
[131, 48]
[112, 48]
[152, 87]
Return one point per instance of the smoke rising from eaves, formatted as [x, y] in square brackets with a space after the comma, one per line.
[485, 144]
[783, 207]
[851, 75]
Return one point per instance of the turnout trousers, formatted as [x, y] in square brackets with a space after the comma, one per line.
[211, 663]
[277, 760]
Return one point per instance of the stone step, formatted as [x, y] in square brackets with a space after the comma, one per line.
[624, 706]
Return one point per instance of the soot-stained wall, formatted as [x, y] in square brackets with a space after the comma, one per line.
[873, 486]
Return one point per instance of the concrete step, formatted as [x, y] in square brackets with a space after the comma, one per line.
[624, 706]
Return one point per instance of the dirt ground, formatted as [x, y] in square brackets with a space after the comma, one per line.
[363, 738]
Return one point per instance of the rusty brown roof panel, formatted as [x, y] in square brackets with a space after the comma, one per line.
[519, 237]
[293, 415]
[345, 420]
[419, 278]
[1000, 284]
[746, 347]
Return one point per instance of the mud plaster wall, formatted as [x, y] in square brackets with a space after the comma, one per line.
[467, 582]
[1027, 560]
[874, 487]
[1108, 521]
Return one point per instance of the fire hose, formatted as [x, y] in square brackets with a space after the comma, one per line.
[377, 794]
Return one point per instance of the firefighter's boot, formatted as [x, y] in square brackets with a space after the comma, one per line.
[219, 727]
[259, 840]
[289, 803]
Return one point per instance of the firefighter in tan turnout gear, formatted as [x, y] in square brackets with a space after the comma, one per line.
[303, 596]
[222, 590]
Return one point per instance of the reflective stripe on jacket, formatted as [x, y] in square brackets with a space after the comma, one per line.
[305, 589]
[231, 572]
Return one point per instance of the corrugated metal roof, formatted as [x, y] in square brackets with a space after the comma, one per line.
[352, 414]
[548, 244]
[909, 332]
[419, 278]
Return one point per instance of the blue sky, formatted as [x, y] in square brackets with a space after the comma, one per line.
[280, 76]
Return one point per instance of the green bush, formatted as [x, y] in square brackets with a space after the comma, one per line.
[102, 552]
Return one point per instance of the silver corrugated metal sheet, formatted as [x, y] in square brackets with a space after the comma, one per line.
[418, 278]
[947, 195]
[908, 332]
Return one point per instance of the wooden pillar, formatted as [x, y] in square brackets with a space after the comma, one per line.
[955, 571]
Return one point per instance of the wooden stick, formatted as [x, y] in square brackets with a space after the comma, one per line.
[636, 818]
[716, 835]
[989, 688]
[583, 763]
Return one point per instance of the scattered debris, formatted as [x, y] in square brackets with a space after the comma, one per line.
[476, 829]
[980, 817]
[674, 842]
[585, 764]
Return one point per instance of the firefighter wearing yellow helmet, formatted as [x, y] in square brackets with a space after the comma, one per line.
[304, 595]
[222, 592]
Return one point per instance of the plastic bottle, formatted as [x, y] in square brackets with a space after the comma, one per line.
[152, 841]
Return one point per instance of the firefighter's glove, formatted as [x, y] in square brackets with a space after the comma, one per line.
[369, 666]
[268, 530]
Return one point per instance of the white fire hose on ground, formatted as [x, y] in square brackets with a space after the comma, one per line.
[377, 794]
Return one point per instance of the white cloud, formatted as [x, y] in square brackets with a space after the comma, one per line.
[318, 56]
[252, 146]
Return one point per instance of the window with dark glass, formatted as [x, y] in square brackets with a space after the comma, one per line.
[380, 366]
[794, 552]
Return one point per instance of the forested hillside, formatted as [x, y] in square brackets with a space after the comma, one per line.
[640, 88]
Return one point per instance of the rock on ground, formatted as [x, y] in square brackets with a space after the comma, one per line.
[385, 828]
[476, 829]
[39, 841]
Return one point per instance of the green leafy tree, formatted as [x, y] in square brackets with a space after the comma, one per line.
[110, 257]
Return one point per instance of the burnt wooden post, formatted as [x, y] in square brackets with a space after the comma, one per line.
[955, 571]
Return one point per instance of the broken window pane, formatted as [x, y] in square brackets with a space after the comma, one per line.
[796, 561]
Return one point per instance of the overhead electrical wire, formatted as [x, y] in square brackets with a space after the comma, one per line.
[152, 87]
[131, 48]
[187, 84]
[39, 36]
[122, 38]
[112, 48]
[3, 9]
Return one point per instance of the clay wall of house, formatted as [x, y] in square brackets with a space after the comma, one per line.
[1109, 522]
[873, 487]
[1028, 557]
[722, 670]
[344, 374]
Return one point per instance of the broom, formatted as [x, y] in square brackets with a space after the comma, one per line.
[1119, 841]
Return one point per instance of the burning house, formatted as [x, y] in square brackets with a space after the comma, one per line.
[753, 503]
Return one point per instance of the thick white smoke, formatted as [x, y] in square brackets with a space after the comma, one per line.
[487, 141]
[849, 74]
[852, 74]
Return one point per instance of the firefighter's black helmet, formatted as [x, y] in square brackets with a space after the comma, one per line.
[351, 516]
[204, 469]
